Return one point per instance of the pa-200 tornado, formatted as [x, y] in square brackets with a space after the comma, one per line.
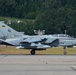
[9, 36]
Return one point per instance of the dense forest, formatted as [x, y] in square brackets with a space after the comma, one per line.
[53, 16]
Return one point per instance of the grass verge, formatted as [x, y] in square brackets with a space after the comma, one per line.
[57, 50]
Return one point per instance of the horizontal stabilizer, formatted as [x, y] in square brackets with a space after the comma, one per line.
[6, 43]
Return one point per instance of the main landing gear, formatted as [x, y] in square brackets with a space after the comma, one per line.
[32, 52]
[65, 53]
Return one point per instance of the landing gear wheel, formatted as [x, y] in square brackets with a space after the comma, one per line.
[32, 52]
[65, 53]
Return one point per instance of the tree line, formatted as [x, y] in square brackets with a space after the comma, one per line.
[20, 8]
[53, 16]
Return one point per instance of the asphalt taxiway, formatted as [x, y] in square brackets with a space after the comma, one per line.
[37, 64]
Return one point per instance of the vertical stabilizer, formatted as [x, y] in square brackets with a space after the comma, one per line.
[5, 30]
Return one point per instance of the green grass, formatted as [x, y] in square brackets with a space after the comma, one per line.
[13, 50]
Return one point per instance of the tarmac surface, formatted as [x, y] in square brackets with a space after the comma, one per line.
[37, 64]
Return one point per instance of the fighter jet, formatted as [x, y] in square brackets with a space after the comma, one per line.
[9, 36]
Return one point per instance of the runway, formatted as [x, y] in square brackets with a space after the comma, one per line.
[37, 64]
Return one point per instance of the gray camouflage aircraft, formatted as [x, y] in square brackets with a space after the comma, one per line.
[9, 36]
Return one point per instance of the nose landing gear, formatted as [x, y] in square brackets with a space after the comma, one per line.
[65, 53]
